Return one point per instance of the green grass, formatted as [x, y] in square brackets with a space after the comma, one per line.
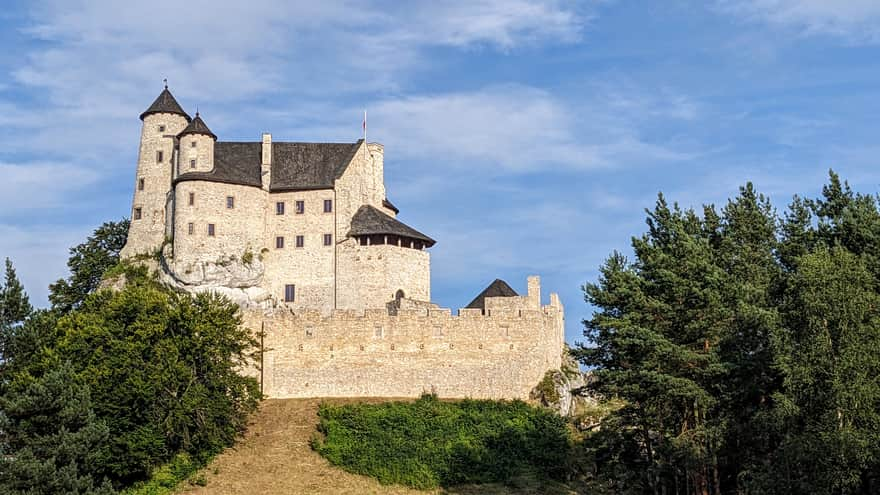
[165, 479]
[430, 443]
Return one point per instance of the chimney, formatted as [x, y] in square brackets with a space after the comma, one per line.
[266, 166]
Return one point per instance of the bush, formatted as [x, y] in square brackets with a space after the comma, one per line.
[429, 443]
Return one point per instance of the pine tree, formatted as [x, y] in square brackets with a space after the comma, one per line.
[50, 438]
[14, 303]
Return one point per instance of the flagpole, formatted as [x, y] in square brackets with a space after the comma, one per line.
[365, 134]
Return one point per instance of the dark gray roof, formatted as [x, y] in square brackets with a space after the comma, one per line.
[498, 288]
[197, 126]
[302, 166]
[234, 163]
[165, 103]
[387, 204]
[295, 166]
[368, 220]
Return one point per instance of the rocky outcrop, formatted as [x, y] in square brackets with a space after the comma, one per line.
[561, 390]
[238, 279]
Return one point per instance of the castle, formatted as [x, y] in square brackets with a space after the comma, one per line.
[303, 236]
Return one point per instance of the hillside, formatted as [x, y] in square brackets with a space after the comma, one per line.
[275, 457]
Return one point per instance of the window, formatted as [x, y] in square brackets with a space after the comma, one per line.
[289, 292]
[161, 128]
[300, 241]
[279, 242]
[300, 207]
[159, 156]
[328, 239]
[328, 206]
[192, 164]
[279, 208]
[137, 214]
[210, 230]
[192, 199]
[190, 228]
[192, 144]
[140, 184]
[230, 202]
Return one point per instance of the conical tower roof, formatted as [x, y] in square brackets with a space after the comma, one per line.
[165, 103]
[197, 126]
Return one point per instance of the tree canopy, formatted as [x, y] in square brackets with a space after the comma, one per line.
[746, 347]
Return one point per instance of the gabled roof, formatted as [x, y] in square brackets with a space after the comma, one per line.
[305, 166]
[234, 163]
[368, 221]
[197, 126]
[498, 288]
[165, 103]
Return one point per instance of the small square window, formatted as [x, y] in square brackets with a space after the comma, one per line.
[159, 156]
[279, 208]
[190, 228]
[192, 199]
[300, 207]
[230, 202]
[192, 144]
[328, 239]
[137, 214]
[161, 128]
[300, 241]
[210, 230]
[328, 206]
[289, 293]
[140, 184]
[192, 164]
[279, 242]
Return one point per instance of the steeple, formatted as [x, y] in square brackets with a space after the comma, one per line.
[165, 103]
[197, 126]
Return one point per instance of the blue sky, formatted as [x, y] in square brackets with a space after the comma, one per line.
[526, 136]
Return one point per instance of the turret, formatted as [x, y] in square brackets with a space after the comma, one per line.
[162, 121]
[196, 147]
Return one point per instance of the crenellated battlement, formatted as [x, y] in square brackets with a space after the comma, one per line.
[501, 353]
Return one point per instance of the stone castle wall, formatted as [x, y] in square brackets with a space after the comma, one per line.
[372, 353]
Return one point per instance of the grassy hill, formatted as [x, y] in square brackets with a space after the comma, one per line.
[275, 457]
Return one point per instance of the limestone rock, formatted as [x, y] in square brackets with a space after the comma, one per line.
[560, 390]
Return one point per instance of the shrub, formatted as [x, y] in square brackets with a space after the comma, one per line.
[430, 443]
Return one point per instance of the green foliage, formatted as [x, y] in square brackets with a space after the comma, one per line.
[87, 264]
[52, 441]
[546, 388]
[162, 370]
[745, 348]
[166, 478]
[429, 443]
[15, 307]
[132, 383]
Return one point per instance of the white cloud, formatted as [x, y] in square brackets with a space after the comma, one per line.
[855, 20]
[522, 129]
[40, 185]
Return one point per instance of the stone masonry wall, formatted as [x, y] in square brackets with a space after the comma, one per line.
[373, 354]
[310, 268]
[148, 233]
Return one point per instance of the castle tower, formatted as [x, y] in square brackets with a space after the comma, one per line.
[162, 122]
[196, 150]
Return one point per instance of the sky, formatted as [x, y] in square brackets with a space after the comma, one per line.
[527, 137]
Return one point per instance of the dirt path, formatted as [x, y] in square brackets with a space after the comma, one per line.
[275, 458]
